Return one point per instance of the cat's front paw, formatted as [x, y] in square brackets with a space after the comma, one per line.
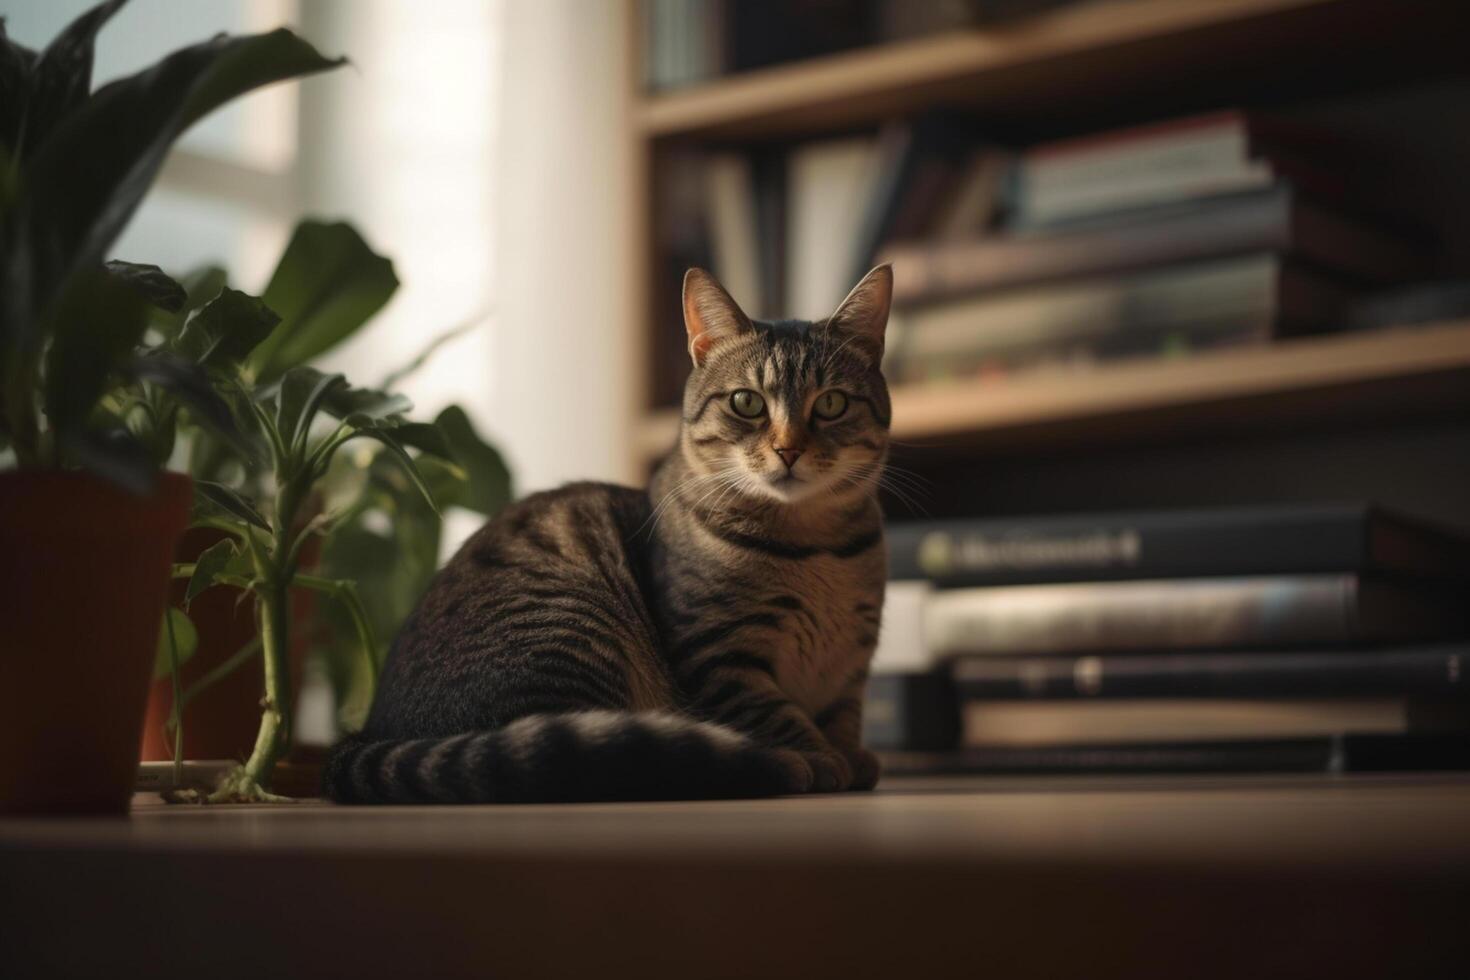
[865, 768]
[831, 771]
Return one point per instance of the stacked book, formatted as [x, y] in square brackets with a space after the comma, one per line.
[1259, 637]
[1195, 233]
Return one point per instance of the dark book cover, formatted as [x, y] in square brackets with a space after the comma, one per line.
[768, 177]
[1338, 753]
[916, 161]
[760, 33]
[1440, 671]
[682, 232]
[1279, 219]
[911, 711]
[1258, 540]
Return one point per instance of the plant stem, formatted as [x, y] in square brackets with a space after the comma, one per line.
[178, 712]
[275, 725]
[273, 601]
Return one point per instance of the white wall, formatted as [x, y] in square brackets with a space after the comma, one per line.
[484, 148]
[562, 350]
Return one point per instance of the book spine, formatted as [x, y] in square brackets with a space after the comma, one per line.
[1129, 170]
[1263, 755]
[911, 711]
[1250, 223]
[1145, 615]
[1338, 753]
[1107, 547]
[1130, 312]
[1429, 672]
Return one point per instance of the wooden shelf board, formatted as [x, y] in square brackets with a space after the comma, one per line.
[1394, 360]
[870, 83]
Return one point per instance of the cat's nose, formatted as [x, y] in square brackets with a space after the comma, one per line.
[789, 456]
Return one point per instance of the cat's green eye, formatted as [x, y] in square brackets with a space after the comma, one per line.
[830, 405]
[748, 404]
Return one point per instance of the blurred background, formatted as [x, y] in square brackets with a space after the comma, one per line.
[1151, 256]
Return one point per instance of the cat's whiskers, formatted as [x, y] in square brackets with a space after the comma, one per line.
[719, 474]
[723, 486]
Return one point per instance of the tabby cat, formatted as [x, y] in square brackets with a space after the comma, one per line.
[708, 637]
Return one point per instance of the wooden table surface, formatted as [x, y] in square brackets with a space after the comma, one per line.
[1090, 876]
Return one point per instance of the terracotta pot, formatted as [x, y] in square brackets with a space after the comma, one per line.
[221, 722]
[84, 574]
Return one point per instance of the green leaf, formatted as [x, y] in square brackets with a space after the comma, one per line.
[99, 321]
[150, 282]
[446, 480]
[191, 386]
[220, 558]
[383, 433]
[365, 401]
[326, 286]
[17, 71]
[200, 286]
[425, 437]
[83, 184]
[302, 392]
[62, 76]
[490, 486]
[185, 640]
[222, 498]
[226, 330]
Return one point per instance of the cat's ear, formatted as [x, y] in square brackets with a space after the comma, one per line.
[710, 315]
[864, 313]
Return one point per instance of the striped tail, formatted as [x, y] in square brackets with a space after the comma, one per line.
[582, 756]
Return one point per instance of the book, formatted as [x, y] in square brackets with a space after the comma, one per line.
[900, 648]
[915, 711]
[683, 42]
[734, 242]
[1430, 302]
[1238, 299]
[976, 203]
[1267, 540]
[760, 33]
[1179, 614]
[682, 239]
[768, 177]
[1331, 753]
[1277, 219]
[1440, 671]
[829, 183]
[1164, 162]
[916, 163]
[1034, 723]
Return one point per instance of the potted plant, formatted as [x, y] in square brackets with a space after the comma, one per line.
[327, 283]
[86, 522]
[266, 537]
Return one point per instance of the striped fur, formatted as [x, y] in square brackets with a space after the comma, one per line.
[708, 637]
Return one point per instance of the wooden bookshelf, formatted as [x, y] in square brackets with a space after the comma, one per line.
[1090, 51]
[1389, 373]
[1084, 67]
